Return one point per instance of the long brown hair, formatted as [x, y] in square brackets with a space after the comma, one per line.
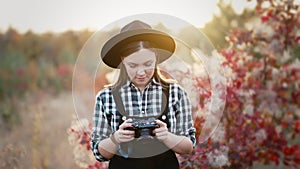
[132, 48]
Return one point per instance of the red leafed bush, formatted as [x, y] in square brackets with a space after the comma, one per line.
[261, 117]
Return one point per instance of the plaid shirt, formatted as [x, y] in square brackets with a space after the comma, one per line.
[141, 104]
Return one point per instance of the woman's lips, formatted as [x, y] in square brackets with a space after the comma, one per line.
[141, 78]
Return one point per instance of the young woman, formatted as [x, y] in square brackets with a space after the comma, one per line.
[141, 93]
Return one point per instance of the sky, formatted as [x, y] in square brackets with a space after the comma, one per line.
[60, 15]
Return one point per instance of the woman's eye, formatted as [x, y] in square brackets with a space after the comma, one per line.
[148, 64]
[132, 66]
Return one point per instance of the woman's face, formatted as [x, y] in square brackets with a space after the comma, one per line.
[140, 67]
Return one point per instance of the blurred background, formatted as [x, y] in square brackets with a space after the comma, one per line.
[259, 43]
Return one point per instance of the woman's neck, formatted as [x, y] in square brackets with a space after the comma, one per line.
[141, 89]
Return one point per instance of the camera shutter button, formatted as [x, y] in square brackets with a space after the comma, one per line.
[143, 112]
[164, 117]
[124, 118]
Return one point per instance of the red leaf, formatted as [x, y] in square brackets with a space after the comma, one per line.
[273, 156]
[264, 18]
[297, 126]
[288, 151]
[297, 157]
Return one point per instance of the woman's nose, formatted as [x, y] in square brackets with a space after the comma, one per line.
[140, 71]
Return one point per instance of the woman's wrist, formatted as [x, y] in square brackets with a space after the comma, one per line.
[168, 137]
[113, 139]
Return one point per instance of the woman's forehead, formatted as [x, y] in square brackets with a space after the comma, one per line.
[141, 56]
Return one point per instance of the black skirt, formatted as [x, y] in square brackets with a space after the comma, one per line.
[166, 160]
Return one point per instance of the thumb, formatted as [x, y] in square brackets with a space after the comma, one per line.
[160, 123]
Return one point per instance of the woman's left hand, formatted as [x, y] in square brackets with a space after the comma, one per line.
[179, 144]
[162, 132]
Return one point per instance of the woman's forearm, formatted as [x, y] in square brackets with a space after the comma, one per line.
[107, 148]
[179, 144]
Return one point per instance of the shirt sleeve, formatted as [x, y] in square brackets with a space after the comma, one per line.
[101, 129]
[184, 120]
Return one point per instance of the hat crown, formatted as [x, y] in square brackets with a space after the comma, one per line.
[135, 25]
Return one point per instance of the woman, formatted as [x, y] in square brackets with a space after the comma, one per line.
[141, 93]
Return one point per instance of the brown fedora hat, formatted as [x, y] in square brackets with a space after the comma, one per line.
[136, 31]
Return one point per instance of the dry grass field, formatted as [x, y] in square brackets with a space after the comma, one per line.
[41, 140]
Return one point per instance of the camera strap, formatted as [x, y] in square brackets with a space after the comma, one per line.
[121, 110]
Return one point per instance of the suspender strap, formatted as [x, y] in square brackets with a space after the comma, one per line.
[120, 107]
[165, 106]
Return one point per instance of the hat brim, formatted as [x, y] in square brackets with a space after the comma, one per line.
[164, 43]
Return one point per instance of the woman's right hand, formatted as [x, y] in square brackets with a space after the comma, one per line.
[122, 135]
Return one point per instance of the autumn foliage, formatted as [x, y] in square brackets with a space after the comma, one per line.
[262, 115]
[261, 119]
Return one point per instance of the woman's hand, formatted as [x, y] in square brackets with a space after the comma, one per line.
[122, 135]
[179, 144]
[162, 132]
[108, 147]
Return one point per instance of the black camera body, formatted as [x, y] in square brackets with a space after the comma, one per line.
[143, 129]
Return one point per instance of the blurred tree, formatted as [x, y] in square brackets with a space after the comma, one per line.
[32, 52]
[221, 24]
[12, 76]
[33, 62]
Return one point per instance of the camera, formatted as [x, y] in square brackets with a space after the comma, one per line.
[143, 129]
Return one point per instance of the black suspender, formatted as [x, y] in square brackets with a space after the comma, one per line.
[120, 107]
[165, 106]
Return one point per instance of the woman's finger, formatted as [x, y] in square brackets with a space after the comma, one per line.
[126, 124]
[127, 132]
[161, 123]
